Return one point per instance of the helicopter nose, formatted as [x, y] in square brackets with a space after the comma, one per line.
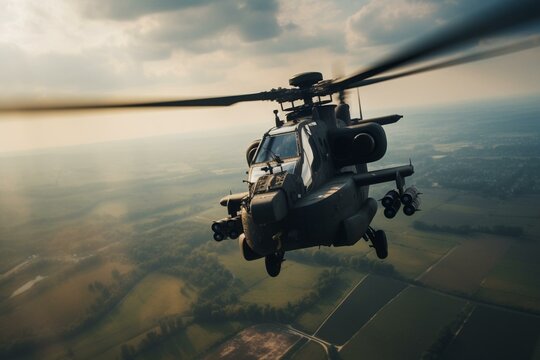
[258, 237]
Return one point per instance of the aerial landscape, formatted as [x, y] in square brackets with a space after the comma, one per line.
[114, 240]
[144, 217]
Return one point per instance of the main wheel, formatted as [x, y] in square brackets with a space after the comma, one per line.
[380, 244]
[273, 264]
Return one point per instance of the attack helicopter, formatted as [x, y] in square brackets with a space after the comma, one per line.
[308, 183]
[308, 180]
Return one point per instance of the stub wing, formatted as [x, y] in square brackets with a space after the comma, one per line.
[384, 175]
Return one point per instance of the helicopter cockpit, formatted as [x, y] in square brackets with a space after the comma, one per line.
[286, 149]
[280, 146]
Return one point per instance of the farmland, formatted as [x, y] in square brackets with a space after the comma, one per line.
[467, 265]
[118, 237]
[64, 301]
[514, 280]
[415, 312]
[138, 312]
[364, 302]
[512, 335]
[312, 318]
[258, 342]
[297, 281]
[310, 351]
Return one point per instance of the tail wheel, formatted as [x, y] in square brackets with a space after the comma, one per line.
[273, 263]
[380, 244]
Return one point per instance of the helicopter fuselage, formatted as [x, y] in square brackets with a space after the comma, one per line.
[308, 185]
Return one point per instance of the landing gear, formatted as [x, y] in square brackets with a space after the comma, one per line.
[378, 239]
[273, 263]
[380, 244]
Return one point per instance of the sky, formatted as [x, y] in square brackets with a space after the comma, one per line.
[186, 48]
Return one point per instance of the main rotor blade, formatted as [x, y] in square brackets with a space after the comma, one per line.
[477, 56]
[503, 17]
[81, 106]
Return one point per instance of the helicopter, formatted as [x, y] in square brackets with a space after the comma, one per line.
[309, 185]
[308, 179]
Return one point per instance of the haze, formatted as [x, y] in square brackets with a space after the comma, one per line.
[140, 49]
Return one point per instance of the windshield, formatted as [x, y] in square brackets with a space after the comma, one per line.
[283, 145]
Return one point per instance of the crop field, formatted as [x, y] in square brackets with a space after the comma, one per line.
[310, 351]
[514, 280]
[436, 244]
[408, 261]
[310, 320]
[26, 272]
[365, 301]
[466, 266]
[294, 282]
[497, 334]
[155, 297]
[405, 327]
[249, 273]
[65, 300]
[195, 340]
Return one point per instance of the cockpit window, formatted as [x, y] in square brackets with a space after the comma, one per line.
[283, 145]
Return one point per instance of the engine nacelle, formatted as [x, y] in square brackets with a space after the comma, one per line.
[359, 144]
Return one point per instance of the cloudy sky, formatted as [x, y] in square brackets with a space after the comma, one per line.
[187, 48]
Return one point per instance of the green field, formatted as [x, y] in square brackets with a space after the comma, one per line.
[295, 281]
[249, 273]
[466, 266]
[191, 343]
[310, 320]
[57, 302]
[496, 334]
[514, 280]
[155, 297]
[408, 261]
[310, 351]
[364, 302]
[405, 327]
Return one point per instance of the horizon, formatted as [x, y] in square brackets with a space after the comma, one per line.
[81, 49]
[257, 127]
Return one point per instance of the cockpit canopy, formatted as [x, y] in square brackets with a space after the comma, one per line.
[280, 146]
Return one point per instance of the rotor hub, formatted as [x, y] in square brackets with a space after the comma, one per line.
[305, 80]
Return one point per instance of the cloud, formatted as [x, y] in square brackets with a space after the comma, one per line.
[184, 46]
[252, 20]
[133, 9]
[226, 25]
[391, 21]
[387, 22]
[41, 74]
